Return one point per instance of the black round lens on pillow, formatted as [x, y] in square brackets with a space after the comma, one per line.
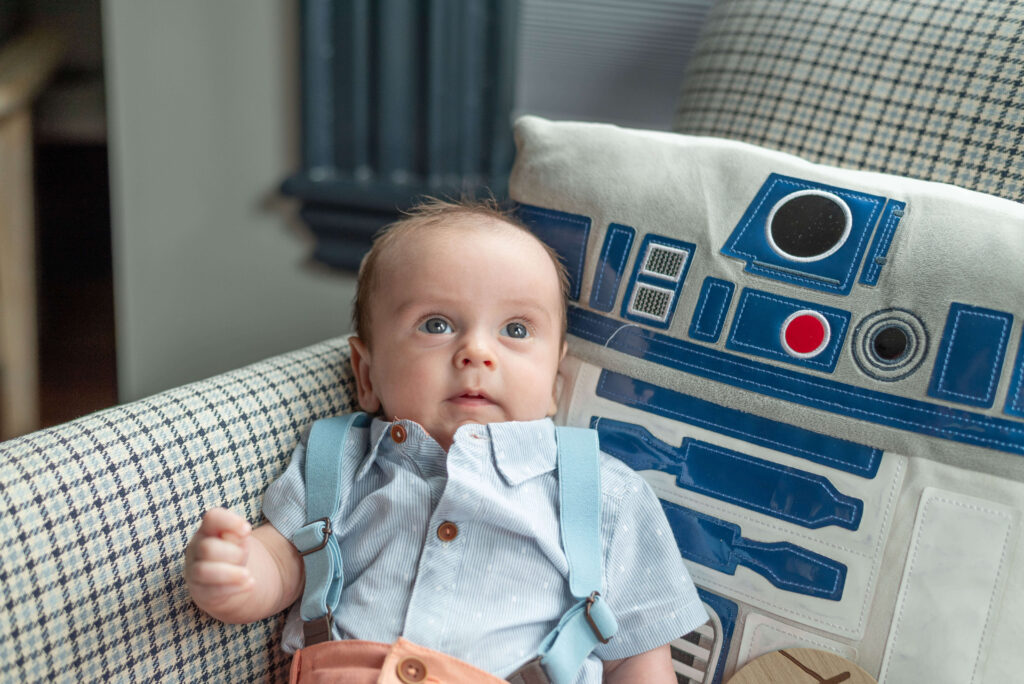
[808, 225]
[890, 343]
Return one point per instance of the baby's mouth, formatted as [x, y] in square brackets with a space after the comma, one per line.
[472, 398]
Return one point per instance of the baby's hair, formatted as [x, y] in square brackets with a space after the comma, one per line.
[436, 213]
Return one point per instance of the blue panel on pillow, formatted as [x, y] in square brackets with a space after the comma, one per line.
[779, 491]
[826, 450]
[719, 545]
[708, 317]
[829, 266]
[566, 233]
[757, 329]
[971, 355]
[827, 395]
[726, 611]
[658, 275]
[1015, 398]
[878, 254]
[610, 266]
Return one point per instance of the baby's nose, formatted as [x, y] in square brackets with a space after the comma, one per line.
[474, 353]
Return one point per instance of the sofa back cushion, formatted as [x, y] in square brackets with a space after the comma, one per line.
[930, 89]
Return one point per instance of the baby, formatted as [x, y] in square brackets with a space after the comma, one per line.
[450, 532]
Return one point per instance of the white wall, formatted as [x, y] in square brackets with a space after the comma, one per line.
[210, 267]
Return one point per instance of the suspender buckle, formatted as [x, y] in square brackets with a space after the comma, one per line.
[318, 630]
[590, 620]
[327, 536]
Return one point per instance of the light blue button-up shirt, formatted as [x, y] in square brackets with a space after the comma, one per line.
[490, 595]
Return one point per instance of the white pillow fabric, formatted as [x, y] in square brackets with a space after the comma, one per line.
[821, 373]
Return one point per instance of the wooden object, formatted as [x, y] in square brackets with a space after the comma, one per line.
[801, 666]
[25, 65]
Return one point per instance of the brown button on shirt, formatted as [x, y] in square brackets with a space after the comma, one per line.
[447, 531]
[398, 433]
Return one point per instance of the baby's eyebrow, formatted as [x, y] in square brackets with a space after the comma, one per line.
[421, 302]
[528, 305]
[521, 305]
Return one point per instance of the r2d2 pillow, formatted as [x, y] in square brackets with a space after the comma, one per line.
[821, 374]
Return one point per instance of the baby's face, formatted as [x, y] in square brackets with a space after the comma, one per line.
[466, 328]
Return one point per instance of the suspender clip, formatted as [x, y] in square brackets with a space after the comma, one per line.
[318, 630]
[327, 536]
[531, 672]
[590, 620]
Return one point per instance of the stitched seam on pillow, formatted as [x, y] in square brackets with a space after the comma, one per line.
[721, 310]
[929, 427]
[995, 368]
[870, 224]
[782, 446]
[614, 231]
[825, 364]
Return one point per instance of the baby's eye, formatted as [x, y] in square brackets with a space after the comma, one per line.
[517, 330]
[436, 326]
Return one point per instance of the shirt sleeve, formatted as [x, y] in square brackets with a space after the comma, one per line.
[647, 585]
[284, 502]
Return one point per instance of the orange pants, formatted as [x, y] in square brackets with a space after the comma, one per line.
[370, 662]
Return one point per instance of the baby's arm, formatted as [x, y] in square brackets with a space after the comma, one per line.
[239, 574]
[652, 667]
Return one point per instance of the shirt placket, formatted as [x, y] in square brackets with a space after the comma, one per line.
[433, 608]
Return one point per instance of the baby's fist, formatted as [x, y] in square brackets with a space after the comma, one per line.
[216, 557]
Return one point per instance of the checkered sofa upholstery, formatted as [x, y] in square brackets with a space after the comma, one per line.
[930, 89]
[96, 514]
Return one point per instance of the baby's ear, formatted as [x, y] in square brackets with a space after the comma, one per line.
[360, 357]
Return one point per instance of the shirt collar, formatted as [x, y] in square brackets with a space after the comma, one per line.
[380, 438]
[521, 449]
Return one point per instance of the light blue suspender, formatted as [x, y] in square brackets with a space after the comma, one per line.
[316, 542]
[588, 623]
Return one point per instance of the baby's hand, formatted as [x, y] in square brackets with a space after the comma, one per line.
[216, 558]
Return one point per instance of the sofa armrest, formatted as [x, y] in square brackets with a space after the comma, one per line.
[96, 514]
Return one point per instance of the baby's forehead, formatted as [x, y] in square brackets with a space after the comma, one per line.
[465, 241]
[461, 237]
[437, 263]
[471, 227]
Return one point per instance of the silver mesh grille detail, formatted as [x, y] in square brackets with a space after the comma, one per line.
[651, 302]
[666, 262]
